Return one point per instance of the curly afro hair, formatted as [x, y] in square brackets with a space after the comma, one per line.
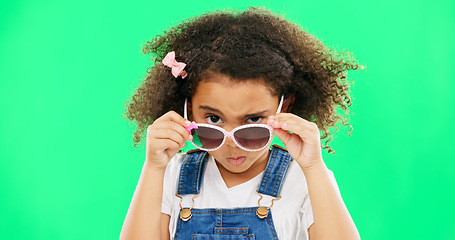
[251, 44]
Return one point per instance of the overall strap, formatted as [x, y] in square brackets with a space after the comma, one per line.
[191, 173]
[275, 171]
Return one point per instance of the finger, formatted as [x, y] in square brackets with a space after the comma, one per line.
[287, 119]
[170, 125]
[166, 144]
[291, 118]
[296, 125]
[169, 134]
[174, 117]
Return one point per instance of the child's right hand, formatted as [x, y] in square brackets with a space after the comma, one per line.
[165, 137]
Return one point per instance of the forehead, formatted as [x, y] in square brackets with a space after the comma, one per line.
[234, 98]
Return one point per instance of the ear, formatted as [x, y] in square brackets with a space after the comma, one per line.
[287, 104]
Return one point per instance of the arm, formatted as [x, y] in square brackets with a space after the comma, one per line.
[144, 219]
[331, 218]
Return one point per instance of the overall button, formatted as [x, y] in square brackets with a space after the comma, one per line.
[185, 214]
[262, 212]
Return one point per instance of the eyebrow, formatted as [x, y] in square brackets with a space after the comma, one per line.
[257, 114]
[261, 113]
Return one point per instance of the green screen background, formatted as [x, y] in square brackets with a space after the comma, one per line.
[68, 169]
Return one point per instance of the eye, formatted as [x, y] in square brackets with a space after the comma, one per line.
[213, 119]
[254, 119]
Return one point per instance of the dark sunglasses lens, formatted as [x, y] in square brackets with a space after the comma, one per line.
[252, 137]
[207, 138]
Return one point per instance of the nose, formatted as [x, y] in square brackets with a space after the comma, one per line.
[230, 141]
[230, 138]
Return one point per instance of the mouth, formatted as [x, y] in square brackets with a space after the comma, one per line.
[236, 160]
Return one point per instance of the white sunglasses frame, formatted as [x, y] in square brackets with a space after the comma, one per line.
[231, 133]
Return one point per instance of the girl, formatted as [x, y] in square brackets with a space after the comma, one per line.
[228, 82]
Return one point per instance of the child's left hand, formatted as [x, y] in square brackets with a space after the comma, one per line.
[303, 143]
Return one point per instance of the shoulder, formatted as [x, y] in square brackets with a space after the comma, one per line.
[173, 167]
[171, 176]
[175, 163]
[295, 173]
[173, 170]
[295, 181]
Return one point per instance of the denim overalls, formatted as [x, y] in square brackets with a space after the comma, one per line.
[229, 223]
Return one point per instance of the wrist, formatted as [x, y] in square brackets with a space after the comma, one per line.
[153, 166]
[315, 166]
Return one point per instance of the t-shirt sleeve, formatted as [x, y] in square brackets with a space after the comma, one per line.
[169, 184]
[306, 207]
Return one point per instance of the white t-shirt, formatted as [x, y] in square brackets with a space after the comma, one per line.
[292, 214]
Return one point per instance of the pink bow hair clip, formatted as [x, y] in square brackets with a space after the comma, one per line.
[177, 67]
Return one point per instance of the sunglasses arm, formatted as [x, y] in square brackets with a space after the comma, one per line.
[280, 105]
[185, 112]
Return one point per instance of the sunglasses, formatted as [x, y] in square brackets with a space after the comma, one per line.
[249, 137]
